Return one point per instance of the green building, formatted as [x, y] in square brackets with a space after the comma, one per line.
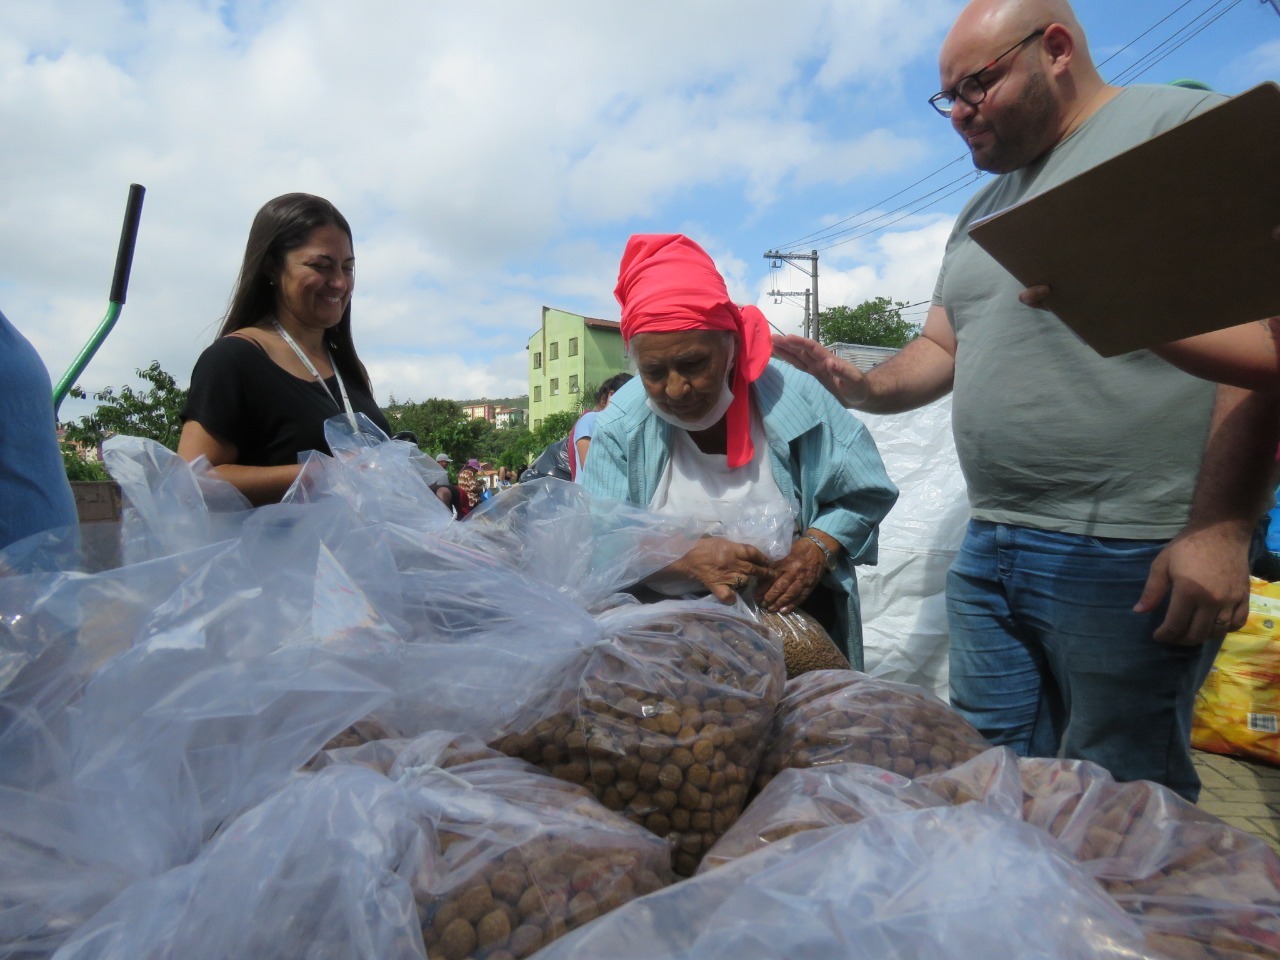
[568, 355]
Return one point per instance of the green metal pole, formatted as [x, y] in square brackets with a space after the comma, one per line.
[119, 286]
[84, 356]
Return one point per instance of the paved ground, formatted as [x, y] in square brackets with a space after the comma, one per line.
[1243, 793]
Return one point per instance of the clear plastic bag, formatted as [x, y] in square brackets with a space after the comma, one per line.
[582, 548]
[842, 716]
[1198, 887]
[806, 646]
[664, 723]
[148, 705]
[514, 858]
[383, 481]
[170, 506]
[993, 778]
[322, 869]
[814, 798]
[947, 883]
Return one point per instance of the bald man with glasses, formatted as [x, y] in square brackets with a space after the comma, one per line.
[1097, 576]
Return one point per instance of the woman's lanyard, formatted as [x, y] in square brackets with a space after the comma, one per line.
[345, 407]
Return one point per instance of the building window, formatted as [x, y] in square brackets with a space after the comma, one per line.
[573, 381]
[537, 360]
[537, 424]
[555, 386]
[553, 350]
[573, 346]
[537, 394]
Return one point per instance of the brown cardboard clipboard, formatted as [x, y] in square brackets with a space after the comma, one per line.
[1167, 240]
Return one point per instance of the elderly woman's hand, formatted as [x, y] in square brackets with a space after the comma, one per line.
[795, 576]
[722, 566]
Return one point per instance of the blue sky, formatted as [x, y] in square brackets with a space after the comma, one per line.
[493, 157]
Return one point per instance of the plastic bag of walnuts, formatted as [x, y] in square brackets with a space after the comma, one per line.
[946, 883]
[813, 798]
[842, 716]
[993, 778]
[1199, 888]
[665, 722]
[806, 645]
[513, 858]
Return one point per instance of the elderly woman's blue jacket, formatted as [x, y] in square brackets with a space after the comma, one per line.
[824, 462]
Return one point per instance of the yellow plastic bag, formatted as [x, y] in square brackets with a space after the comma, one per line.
[1238, 708]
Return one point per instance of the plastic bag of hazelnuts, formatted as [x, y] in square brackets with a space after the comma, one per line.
[842, 716]
[514, 858]
[665, 722]
[1198, 888]
[812, 798]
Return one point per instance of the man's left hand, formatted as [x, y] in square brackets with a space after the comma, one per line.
[1207, 570]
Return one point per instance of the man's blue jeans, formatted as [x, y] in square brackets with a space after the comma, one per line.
[1048, 657]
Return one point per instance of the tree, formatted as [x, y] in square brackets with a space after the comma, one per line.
[511, 447]
[155, 414]
[587, 400]
[875, 323]
[554, 426]
[79, 468]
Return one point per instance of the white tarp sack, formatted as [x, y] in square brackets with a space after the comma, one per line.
[904, 615]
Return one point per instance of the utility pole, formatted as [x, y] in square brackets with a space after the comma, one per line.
[812, 257]
[779, 294]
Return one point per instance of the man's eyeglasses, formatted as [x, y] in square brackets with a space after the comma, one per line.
[971, 89]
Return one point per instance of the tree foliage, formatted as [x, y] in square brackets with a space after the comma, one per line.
[79, 468]
[442, 427]
[555, 426]
[154, 414]
[877, 323]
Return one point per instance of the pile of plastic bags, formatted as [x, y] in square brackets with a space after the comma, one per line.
[348, 726]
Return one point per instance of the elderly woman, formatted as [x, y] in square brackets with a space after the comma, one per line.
[284, 361]
[713, 431]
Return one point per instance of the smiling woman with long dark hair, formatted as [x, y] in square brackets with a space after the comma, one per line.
[284, 361]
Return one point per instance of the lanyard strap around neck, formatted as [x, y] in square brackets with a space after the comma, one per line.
[345, 406]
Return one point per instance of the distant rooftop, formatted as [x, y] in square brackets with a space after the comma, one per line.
[862, 356]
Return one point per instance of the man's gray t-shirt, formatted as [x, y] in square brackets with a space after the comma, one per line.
[1049, 434]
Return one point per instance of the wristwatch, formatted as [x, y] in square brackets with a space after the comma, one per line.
[828, 556]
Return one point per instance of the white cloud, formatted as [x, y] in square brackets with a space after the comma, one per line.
[901, 264]
[492, 158]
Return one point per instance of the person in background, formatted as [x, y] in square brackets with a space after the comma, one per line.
[444, 491]
[1082, 471]
[34, 493]
[713, 432]
[580, 435]
[284, 361]
[471, 490]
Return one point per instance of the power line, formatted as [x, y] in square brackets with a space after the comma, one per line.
[969, 177]
[1186, 3]
[973, 178]
[821, 233]
[1159, 52]
[831, 237]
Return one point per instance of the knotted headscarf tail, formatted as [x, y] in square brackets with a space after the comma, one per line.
[666, 282]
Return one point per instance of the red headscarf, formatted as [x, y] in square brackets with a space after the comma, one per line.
[666, 282]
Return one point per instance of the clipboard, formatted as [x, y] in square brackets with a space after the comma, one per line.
[1166, 240]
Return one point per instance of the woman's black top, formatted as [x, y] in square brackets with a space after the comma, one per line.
[240, 395]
